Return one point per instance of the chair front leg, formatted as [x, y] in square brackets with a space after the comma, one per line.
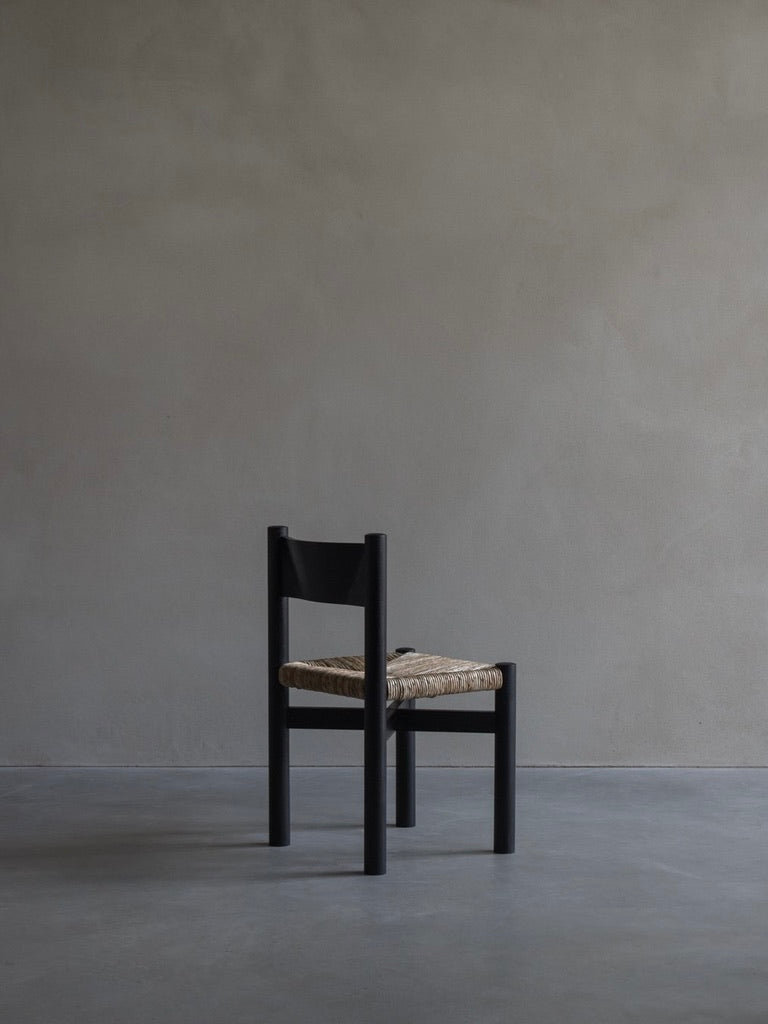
[405, 775]
[504, 762]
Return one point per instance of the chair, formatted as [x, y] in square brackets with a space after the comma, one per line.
[355, 574]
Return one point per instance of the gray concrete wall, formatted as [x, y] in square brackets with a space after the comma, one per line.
[490, 277]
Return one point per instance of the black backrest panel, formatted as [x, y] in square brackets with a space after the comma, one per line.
[320, 571]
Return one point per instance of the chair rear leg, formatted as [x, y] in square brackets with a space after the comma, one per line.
[375, 797]
[504, 762]
[405, 775]
[279, 783]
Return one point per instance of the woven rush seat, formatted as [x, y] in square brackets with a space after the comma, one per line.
[408, 676]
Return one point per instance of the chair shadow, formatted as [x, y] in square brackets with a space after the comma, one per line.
[134, 855]
[319, 826]
[194, 854]
[306, 876]
[445, 853]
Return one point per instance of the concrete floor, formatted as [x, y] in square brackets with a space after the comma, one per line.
[149, 895]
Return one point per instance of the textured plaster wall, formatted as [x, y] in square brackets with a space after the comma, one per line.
[491, 277]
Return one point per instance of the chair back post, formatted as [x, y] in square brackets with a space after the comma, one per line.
[277, 611]
[376, 617]
[278, 602]
[375, 712]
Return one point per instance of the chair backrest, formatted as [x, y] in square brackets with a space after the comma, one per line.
[327, 572]
[318, 571]
[351, 574]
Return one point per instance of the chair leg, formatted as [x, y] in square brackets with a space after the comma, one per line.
[279, 784]
[504, 762]
[375, 824]
[405, 775]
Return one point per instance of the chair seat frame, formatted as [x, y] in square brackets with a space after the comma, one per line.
[356, 574]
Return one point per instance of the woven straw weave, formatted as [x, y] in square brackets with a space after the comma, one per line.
[408, 675]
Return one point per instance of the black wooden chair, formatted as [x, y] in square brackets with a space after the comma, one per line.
[355, 574]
